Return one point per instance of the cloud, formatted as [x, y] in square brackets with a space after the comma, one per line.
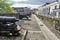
[20, 0]
[17, 0]
[28, 3]
[35, 2]
[25, 5]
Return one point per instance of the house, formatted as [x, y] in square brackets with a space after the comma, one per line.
[50, 9]
[23, 10]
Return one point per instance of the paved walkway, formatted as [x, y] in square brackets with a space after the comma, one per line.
[47, 33]
[34, 31]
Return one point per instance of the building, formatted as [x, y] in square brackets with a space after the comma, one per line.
[22, 10]
[35, 11]
[50, 9]
[43, 10]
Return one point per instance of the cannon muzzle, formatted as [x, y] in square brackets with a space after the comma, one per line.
[8, 19]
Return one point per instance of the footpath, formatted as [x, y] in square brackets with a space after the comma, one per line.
[47, 33]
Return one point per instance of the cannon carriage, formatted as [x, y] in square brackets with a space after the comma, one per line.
[8, 26]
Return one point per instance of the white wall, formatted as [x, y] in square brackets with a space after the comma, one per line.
[45, 10]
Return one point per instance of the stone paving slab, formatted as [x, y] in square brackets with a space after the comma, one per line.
[23, 32]
[21, 37]
[34, 31]
[29, 25]
[35, 36]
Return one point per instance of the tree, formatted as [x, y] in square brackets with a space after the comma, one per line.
[6, 7]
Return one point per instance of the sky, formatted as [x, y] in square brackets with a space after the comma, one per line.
[28, 3]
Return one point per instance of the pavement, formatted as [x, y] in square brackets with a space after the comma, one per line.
[44, 29]
[21, 37]
[34, 31]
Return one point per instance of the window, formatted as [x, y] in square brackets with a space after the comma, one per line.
[49, 9]
[55, 7]
[59, 14]
[54, 13]
[59, 6]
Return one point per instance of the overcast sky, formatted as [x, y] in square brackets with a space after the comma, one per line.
[29, 3]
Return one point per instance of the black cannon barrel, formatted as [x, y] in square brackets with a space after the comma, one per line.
[8, 19]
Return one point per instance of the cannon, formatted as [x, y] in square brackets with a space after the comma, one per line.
[8, 19]
[8, 26]
[21, 16]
